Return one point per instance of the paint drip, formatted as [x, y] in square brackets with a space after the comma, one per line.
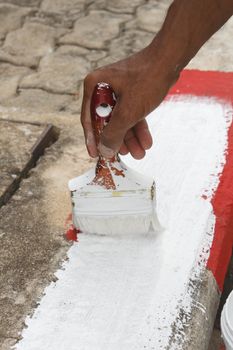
[71, 233]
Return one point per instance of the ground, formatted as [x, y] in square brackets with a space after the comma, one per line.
[46, 49]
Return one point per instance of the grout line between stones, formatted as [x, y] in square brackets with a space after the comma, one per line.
[49, 91]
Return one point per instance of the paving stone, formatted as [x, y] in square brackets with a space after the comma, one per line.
[127, 44]
[11, 18]
[120, 6]
[56, 20]
[61, 6]
[123, 6]
[30, 3]
[38, 101]
[31, 62]
[76, 104]
[32, 40]
[72, 50]
[58, 74]
[10, 77]
[94, 30]
[151, 15]
[132, 41]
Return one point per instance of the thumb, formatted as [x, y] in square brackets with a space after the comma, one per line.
[113, 134]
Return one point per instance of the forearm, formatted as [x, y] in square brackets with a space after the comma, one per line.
[188, 25]
[142, 80]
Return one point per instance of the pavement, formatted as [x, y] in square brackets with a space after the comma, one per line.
[46, 49]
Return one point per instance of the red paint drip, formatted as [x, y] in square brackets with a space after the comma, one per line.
[72, 232]
[219, 85]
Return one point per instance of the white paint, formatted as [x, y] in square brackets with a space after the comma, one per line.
[125, 292]
[103, 110]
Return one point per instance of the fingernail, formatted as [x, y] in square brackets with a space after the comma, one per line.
[105, 151]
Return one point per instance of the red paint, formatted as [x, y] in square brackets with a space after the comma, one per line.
[205, 83]
[222, 202]
[71, 234]
[219, 85]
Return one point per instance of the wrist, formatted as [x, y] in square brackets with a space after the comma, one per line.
[164, 62]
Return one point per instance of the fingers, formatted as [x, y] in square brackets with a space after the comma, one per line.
[86, 117]
[136, 141]
[143, 134]
[124, 149]
[134, 145]
[122, 134]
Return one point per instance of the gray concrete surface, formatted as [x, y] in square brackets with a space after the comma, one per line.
[13, 158]
[46, 48]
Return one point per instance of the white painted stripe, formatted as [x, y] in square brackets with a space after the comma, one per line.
[124, 292]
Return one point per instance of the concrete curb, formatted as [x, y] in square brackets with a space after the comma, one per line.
[204, 308]
[208, 291]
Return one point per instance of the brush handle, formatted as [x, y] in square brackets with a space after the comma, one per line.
[102, 104]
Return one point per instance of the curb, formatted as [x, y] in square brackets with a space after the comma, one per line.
[208, 292]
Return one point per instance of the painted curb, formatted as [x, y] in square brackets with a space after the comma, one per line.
[208, 292]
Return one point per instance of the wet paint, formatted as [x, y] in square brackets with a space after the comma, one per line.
[219, 85]
[71, 232]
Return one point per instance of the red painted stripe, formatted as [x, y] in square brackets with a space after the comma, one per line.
[205, 83]
[220, 85]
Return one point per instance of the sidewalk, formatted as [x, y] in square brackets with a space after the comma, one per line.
[46, 49]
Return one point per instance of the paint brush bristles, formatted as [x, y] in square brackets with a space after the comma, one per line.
[129, 208]
[111, 198]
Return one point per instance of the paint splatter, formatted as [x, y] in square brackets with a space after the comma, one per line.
[71, 233]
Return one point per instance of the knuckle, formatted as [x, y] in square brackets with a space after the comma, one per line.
[91, 79]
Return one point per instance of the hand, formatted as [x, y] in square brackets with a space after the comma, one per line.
[140, 83]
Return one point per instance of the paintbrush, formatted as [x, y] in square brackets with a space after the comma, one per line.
[111, 198]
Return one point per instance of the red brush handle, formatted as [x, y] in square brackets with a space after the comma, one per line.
[102, 103]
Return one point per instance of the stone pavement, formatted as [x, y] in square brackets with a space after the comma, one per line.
[48, 46]
[46, 49]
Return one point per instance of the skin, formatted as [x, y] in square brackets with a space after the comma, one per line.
[142, 80]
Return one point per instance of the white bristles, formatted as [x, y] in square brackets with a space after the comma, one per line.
[117, 225]
[130, 208]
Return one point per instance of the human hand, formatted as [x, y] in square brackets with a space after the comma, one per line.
[140, 83]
